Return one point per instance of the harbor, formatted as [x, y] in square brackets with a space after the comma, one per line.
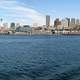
[39, 57]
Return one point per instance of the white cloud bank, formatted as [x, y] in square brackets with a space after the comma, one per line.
[19, 12]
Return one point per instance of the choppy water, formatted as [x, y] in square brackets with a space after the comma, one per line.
[39, 57]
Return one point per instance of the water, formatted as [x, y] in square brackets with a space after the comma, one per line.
[39, 57]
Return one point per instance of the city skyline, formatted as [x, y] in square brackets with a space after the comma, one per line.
[29, 11]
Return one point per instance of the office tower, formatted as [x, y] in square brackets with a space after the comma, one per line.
[12, 26]
[48, 22]
[64, 23]
[73, 22]
[68, 19]
[57, 24]
[77, 21]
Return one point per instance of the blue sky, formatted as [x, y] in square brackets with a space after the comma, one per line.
[34, 11]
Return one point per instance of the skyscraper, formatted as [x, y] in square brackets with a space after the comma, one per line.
[77, 21]
[73, 22]
[12, 25]
[48, 22]
[68, 19]
[57, 24]
[64, 23]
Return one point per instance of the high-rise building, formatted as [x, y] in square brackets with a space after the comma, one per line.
[12, 26]
[77, 22]
[48, 22]
[57, 24]
[73, 22]
[68, 19]
[64, 23]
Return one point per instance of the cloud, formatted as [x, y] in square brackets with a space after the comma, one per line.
[21, 13]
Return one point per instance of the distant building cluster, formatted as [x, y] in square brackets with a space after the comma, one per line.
[66, 25]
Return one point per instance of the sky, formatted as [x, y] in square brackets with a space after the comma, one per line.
[34, 11]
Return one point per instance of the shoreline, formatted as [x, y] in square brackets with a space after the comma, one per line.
[43, 34]
[40, 35]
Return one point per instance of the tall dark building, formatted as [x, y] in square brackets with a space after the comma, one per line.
[12, 25]
[68, 19]
[48, 22]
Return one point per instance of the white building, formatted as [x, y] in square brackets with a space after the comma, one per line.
[73, 22]
[5, 25]
[64, 23]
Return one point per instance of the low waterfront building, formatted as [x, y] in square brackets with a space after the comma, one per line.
[4, 30]
[26, 29]
[40, 31]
